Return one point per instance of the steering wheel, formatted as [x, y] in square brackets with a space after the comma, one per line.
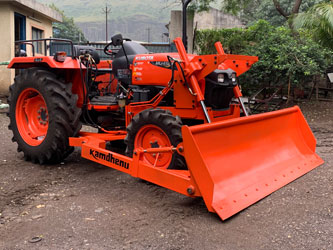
[107, 51]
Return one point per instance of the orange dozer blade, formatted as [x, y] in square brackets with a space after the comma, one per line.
[237, 162]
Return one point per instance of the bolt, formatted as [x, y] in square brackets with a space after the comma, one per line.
[154, 155]
[38, 117]
[39, 111]
[181, 149]
[135, 153]
[190, 190]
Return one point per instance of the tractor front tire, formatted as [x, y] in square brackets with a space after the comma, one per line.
[153, 128]
[43, 115]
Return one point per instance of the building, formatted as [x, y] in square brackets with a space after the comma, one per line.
[22, 20]
[212, 19]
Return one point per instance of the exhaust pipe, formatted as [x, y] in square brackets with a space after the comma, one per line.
[185, 5]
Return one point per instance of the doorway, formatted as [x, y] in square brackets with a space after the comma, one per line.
[20, 31]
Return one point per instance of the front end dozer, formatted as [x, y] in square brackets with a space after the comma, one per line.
[237, 162]
[232, 164]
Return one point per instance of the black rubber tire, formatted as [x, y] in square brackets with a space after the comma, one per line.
[64, 115]
[164, 119]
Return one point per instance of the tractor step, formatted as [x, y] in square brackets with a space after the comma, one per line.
[104, 100]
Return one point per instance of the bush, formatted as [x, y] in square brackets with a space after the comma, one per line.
[283, 56]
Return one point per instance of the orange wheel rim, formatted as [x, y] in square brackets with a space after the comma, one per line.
[151, 136]
[32, 117]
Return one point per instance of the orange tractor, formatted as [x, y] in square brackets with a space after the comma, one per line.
[173, 117]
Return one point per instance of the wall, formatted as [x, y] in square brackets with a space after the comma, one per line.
[212, 19]
[7, 47]
[176, 28]
[215, 19]
[7, 37]
[36, 21]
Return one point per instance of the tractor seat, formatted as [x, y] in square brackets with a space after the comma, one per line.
[81, 50]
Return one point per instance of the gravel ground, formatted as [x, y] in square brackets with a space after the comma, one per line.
[83, 205]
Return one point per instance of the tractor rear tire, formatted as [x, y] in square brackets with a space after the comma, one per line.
[153, 128]
[43, 115]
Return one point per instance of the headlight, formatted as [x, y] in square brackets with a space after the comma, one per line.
[220, 78]
[233, 77]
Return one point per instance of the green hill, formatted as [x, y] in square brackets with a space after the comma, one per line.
[133, 18]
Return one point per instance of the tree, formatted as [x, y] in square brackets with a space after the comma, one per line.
[283, 12]
[282, 58]
[318, 19]
[201, 5]
[195, 5]
[67, 29]
[277, 12]
[266, 10]
[235, 6]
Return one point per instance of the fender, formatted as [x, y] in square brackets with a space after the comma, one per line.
[70, 67]
[43, 61]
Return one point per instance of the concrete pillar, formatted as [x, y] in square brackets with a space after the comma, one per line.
[176, 25]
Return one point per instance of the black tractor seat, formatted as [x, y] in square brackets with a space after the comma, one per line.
[82, 50]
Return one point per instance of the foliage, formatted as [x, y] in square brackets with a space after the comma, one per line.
[67, 29]
[283, 58]
[266, 10]
[236, 6]
[200, 5]
[319, 20]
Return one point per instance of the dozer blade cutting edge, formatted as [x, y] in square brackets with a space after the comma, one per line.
[237, 162]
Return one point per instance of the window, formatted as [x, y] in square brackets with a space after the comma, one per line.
[37, 34]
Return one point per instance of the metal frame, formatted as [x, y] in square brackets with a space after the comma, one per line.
[226, 185]
[45, 40]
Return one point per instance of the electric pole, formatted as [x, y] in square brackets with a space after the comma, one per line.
[106, 11]
[148, 29]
